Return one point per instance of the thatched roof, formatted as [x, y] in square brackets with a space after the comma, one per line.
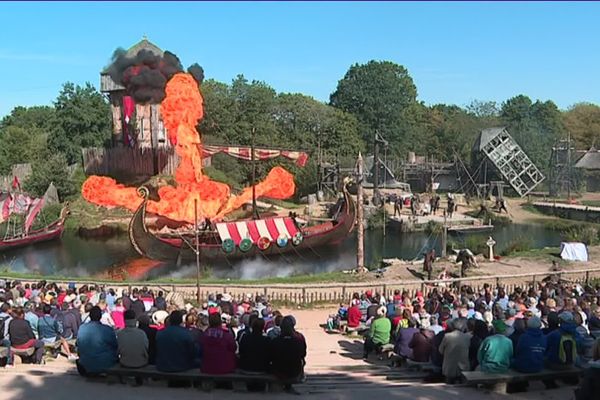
[143, 44]
[485, 136]
[590, 160]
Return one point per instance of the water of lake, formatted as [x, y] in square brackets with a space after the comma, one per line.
[74, 256]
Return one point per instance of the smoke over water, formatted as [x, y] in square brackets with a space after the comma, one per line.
[145, 75]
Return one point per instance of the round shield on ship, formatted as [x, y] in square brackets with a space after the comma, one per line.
[282, 240]
[245, 245]
[263, 243]
[228, 245]
[297, 239]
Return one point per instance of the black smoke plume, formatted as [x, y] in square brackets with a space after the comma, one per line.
[146, 75]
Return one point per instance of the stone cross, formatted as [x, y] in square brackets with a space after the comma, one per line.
[490, 243]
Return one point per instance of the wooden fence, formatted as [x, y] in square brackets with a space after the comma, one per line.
[129, 162]
[342, 292]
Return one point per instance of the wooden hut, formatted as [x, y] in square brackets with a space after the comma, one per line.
[148, 128]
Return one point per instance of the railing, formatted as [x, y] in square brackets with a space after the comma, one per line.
[339, 292]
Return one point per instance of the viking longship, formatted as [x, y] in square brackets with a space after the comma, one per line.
[19, 212]
[269, 236]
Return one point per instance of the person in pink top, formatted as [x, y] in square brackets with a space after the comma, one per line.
[218, 348]
[118, 314]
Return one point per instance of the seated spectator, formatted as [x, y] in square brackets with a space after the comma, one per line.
[479, 331]
[32, 317]
[561, 351]
[591, 378]
[530, 350]
[379, 332]
[496, 351]
[255, 351]
[585, 345]
[288, 352]
[421, 343]
[519, 327]
[218, 346]
[175, 347]
[71, 320]
[159, 302]
[50, 331]
[354, 315]
[552, 323]
[133, 343]
[454, 349]
[97, 346]
[118, 314]
[5, 318]
[21, 335]
[158, 319]
[403, 339]
[144, 325]
[275, 331]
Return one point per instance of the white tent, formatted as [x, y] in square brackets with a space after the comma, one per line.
[573, 251]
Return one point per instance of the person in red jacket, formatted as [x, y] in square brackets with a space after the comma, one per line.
[218, 348]
[354, 316]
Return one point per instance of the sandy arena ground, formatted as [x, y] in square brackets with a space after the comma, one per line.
[334, 367]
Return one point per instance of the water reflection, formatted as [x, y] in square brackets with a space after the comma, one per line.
[114, 258]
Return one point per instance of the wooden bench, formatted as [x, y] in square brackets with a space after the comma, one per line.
[238, 379]
[499, 382]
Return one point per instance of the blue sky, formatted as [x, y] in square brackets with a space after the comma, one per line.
[455, 52]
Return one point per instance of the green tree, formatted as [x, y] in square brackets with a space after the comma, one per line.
[535, 126]
[583, 122]
[19, 145]
[380, 94]
[39, 117]
[82, 120]
[53, 169]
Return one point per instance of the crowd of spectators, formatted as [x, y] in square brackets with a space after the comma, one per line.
[552, 324]
[142, 328]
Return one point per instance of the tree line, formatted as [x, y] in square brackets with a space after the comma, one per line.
[378, 96]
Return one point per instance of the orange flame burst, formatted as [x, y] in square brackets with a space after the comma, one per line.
[181, 110]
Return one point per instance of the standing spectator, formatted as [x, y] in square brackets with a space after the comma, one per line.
[218, 346]
[97, 346]
[496, 351]
[175, 348]
[132, 343]
[22, 337]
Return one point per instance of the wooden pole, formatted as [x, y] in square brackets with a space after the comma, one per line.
[444, 237]
[254, 209]
[197, 251]
[360, 228]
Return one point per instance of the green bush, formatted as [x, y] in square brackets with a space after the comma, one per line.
[584, 234]
[517, 245]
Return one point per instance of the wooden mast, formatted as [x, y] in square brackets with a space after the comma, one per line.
[360, 251]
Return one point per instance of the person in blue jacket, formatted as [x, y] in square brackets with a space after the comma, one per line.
[97, 346]
[562, 343]
[531, 348]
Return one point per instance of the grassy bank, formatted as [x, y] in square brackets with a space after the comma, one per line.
[328, 277]
[87, 215]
